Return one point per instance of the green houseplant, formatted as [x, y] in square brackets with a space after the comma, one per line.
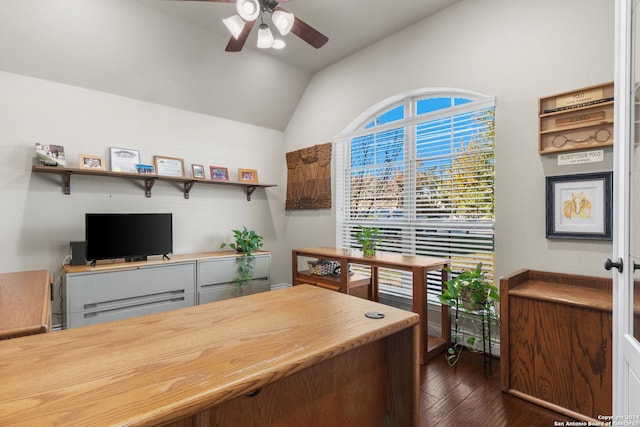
[246, 243]
[468, 292]
[369, 239]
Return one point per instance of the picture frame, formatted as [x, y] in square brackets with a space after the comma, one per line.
[219, 173]
[169, 166]
[580, 206]
[146, 169]
[197, 171]
[50, 155]
[124, 159]
[89, 161]
[249, 176]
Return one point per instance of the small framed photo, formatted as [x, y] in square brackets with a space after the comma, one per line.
[249, 176]
[169, 166]
[88, 161]
[198, 171]
[580, 206]
[50, 155]
[124, 159]
[146, 169]
[219, 173]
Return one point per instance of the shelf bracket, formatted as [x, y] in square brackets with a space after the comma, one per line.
[249, 189]
[66, 178]
[148, 185]
[187, 188]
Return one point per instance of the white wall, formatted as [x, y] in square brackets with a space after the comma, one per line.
[129, 49]
[38, 220]
[516, 51]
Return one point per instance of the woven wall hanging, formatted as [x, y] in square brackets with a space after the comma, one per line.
[309, 178]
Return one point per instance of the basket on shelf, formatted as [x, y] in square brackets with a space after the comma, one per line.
[324, 267]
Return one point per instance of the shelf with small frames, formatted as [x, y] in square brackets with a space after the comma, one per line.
[148, 180]
[576, 120]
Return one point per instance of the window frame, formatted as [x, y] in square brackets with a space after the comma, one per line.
[359, 127]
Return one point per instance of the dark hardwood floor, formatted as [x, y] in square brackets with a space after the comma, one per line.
[462, 396]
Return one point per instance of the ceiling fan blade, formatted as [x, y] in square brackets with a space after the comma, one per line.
[237, 45]
[307, 33]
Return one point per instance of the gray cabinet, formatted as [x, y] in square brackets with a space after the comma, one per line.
[216, 278]
[122, 290]
[101, 296]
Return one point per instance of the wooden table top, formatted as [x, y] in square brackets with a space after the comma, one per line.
[165, 366]
[120, 264]
[23, 295]
[388, 259]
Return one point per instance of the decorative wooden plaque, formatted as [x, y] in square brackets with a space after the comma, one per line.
[309, 178]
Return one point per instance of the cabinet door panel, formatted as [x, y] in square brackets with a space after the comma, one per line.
[553, 353]
[225, 270]
[592, 364]
[522, 345]
[226, 291]
[90, 290]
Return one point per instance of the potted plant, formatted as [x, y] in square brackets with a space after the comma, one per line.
[246, 243]
[468, 292]
[369, 239]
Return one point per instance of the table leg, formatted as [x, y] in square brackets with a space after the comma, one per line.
[373, 296]
[445, 315]
[294, 267]
[419, 306]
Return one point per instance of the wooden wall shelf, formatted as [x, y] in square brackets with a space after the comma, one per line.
[576, 120]
[149, 180]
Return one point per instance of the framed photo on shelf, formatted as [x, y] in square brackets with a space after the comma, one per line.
[249, 176]
[89, 161]
[219, 173]
[169, 166]
[146, 169]
[124, 159]
[50, 155]
[580, 206]
[198, 171]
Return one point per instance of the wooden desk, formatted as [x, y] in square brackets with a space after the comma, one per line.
[25, 303]
[290, 357]
[417, 265]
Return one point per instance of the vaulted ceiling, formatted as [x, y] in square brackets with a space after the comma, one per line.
[350, 25]
[171, 52]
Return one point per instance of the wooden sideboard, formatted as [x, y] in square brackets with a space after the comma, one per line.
[418, 266]
[25, 303]
[556, 341]
[289, 357]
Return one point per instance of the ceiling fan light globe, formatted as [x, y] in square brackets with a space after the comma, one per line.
[279, 44]
[265, 38]
[283, 21]
[234, 24]
[249, 10]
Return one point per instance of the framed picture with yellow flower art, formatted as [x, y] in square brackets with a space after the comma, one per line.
[580, 206]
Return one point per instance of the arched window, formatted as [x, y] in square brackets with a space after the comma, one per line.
[420, 167]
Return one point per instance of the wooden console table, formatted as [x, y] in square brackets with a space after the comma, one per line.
[556, 342]
[25, 303]
[291, 357]
[418, 266]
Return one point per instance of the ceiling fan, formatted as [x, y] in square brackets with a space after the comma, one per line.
[249, 11]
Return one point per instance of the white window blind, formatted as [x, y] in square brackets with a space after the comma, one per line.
[423, 173]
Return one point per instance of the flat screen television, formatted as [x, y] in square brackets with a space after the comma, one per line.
[132, 236]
